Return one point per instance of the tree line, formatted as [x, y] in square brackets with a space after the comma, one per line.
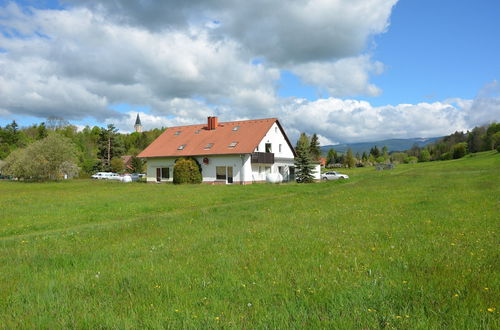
[453, 146]
[86, 151]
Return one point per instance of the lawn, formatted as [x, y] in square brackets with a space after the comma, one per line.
[413, 247]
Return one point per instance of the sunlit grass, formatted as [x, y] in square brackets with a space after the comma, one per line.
[413, 247]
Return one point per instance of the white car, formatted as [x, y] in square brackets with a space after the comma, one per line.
[333, 176]
[105, 176]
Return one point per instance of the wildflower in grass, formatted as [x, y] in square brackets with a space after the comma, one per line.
[217, 318]
[398, 316]
[249, 304]
[407, 316]
[371, 310]
[157, 286]
[404, 282]
[491, 309]
[455, 295]
[177, 311]
[373, 249]
[486, 289]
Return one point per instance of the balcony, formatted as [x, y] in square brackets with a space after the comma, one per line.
[262, 158]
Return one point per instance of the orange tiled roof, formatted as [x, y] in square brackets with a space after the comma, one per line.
[196, 139]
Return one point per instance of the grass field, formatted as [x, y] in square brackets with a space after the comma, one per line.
[415, 247]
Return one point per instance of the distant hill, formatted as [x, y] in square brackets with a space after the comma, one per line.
[392, 145]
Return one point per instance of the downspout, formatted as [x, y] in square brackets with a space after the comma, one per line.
[242, 171]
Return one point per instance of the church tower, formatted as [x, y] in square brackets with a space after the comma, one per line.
[138, 125]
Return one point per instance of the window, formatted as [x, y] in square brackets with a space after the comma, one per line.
[268, 147]
[165, 173]
[260, 169]
[257, 149]
[220, 172]
[197, 131]
[268, 169]
[276, 130]
[235, 128]
[208, 146]
[279, 148]
[178, 133]
[181, 147]
[232, 145]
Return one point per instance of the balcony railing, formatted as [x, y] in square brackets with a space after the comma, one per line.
[262, 158]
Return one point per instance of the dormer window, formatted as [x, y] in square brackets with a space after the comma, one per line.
[197, 131]
[181, 147]
[209, 146]
[235, 128]
[178, 133]
[232, 145]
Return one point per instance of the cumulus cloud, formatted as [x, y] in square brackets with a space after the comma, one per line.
[74, 63]
[358, 121]
[282, 31]
[345, 77]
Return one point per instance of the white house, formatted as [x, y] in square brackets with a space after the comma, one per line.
[239, 152]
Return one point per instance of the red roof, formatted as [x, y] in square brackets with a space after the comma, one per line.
[195, 140]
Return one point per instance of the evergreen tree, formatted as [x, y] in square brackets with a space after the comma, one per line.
[314, 148]
[331, 156]
[108, 146]
[303, 142]
[303, 166]
[375, 152]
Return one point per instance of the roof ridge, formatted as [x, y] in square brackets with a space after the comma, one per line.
[226, 122]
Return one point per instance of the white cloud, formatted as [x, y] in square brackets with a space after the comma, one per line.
[84, 63]
[358, 121]
[345, 77]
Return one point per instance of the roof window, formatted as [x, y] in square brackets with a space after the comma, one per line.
[178, 133]
[197, 131]
[208, 146]
[232, 145]
[181, 147]
[235, 128]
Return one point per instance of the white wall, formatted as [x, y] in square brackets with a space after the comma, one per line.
[276, 138]
[208, 170]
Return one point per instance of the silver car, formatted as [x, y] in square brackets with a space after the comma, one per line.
[332, 175]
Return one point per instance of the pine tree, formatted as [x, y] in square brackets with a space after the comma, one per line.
[314, 148]
[303, 166]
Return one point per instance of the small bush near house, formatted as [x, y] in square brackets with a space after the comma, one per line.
[186, 170]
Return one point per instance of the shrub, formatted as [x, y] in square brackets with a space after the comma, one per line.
[52, 158]
[187, 170]
[459, 150]
[411, 160]
[446, 156]
[425, 156]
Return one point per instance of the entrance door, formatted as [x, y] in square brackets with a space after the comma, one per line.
[229, 174]
[158, 174]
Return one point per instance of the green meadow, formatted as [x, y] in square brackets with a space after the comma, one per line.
[413, 247]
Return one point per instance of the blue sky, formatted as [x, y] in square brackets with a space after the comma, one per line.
[372, 70]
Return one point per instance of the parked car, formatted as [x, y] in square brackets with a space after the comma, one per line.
[106, 176]
[101, 175]
[332, 175]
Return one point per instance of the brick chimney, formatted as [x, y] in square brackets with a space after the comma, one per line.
[212, 123]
